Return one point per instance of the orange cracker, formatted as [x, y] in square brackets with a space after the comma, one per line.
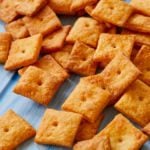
[141, 6]
[88, 98]
[55, 41]
[61, 6]
[77, 5]
[81, 59]
[138, 23]
[110, 44]
[49, 65]
[142, 61]
[29, 8]
[87, 130]
[96, 143]
[113, 11]
[45, 22]
[123, 135]
[58, 128]
[38, 85]
[140, 38]
[62, 56]
[5, 42]
[86, 30]
[146, 129]
[17, 29]
[118, 75]
[7, 11]
[134, 103]
[14, 130]
[24, 52]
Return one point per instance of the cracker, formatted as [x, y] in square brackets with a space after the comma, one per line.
[29, 8]
[87, 130]
[113, 11]
[86, 30]
[7, 11]
[17, 29]
[146, 129]
[62, 56]
[135, 51]
[38, 85]
[24, 52]
[58, 128]
[96, 143]
[5, 42]
[141, 6]
[77, 5]
[61, 6]
[81, 59]
[14, 130]
[88, 98]
[140, 38]
[138, 23]
[50, 66]
[123, 135]
[111, 44]
[142, 61]
[134, 103]
[55, 41]
[45, 22]
[118, 75]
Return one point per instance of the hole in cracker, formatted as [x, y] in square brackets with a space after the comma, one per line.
[141, 98]
[87, 25]
[118, 72]
[6, 129]
[103, 87]
[23, 51]
[120, 140]
[39, 82]
[55, 123]
[83, 98]
[113, 45]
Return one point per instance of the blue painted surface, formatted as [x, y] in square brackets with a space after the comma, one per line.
[32, 111]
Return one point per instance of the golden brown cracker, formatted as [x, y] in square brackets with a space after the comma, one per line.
[38, 85]
[139, 23]
[123, 135]
[88, 98]
[77, 5]
[17, 29]
[140, 38]
[7, 11]
[45, 22]
[61, 6]
[118, 75]
[113, 11]
[24, 52]
[141, 6]
[55, 41]
[81, 59]
[87, 130]
[29, 7]
[50, 66]
[14, 130]
[58, 128]
[96, 143]
[110, 44]
[5, 42]
[134, 103]
[86, 30]
[146, 129]
[62, 56]
[142, 61]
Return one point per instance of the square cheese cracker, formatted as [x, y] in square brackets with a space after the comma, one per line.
[123, 135]
[24, 52]
[14, 130]
[88, 98]
[58, 128]
[134, 103]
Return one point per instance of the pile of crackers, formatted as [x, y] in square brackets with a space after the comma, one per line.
[109, 35]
